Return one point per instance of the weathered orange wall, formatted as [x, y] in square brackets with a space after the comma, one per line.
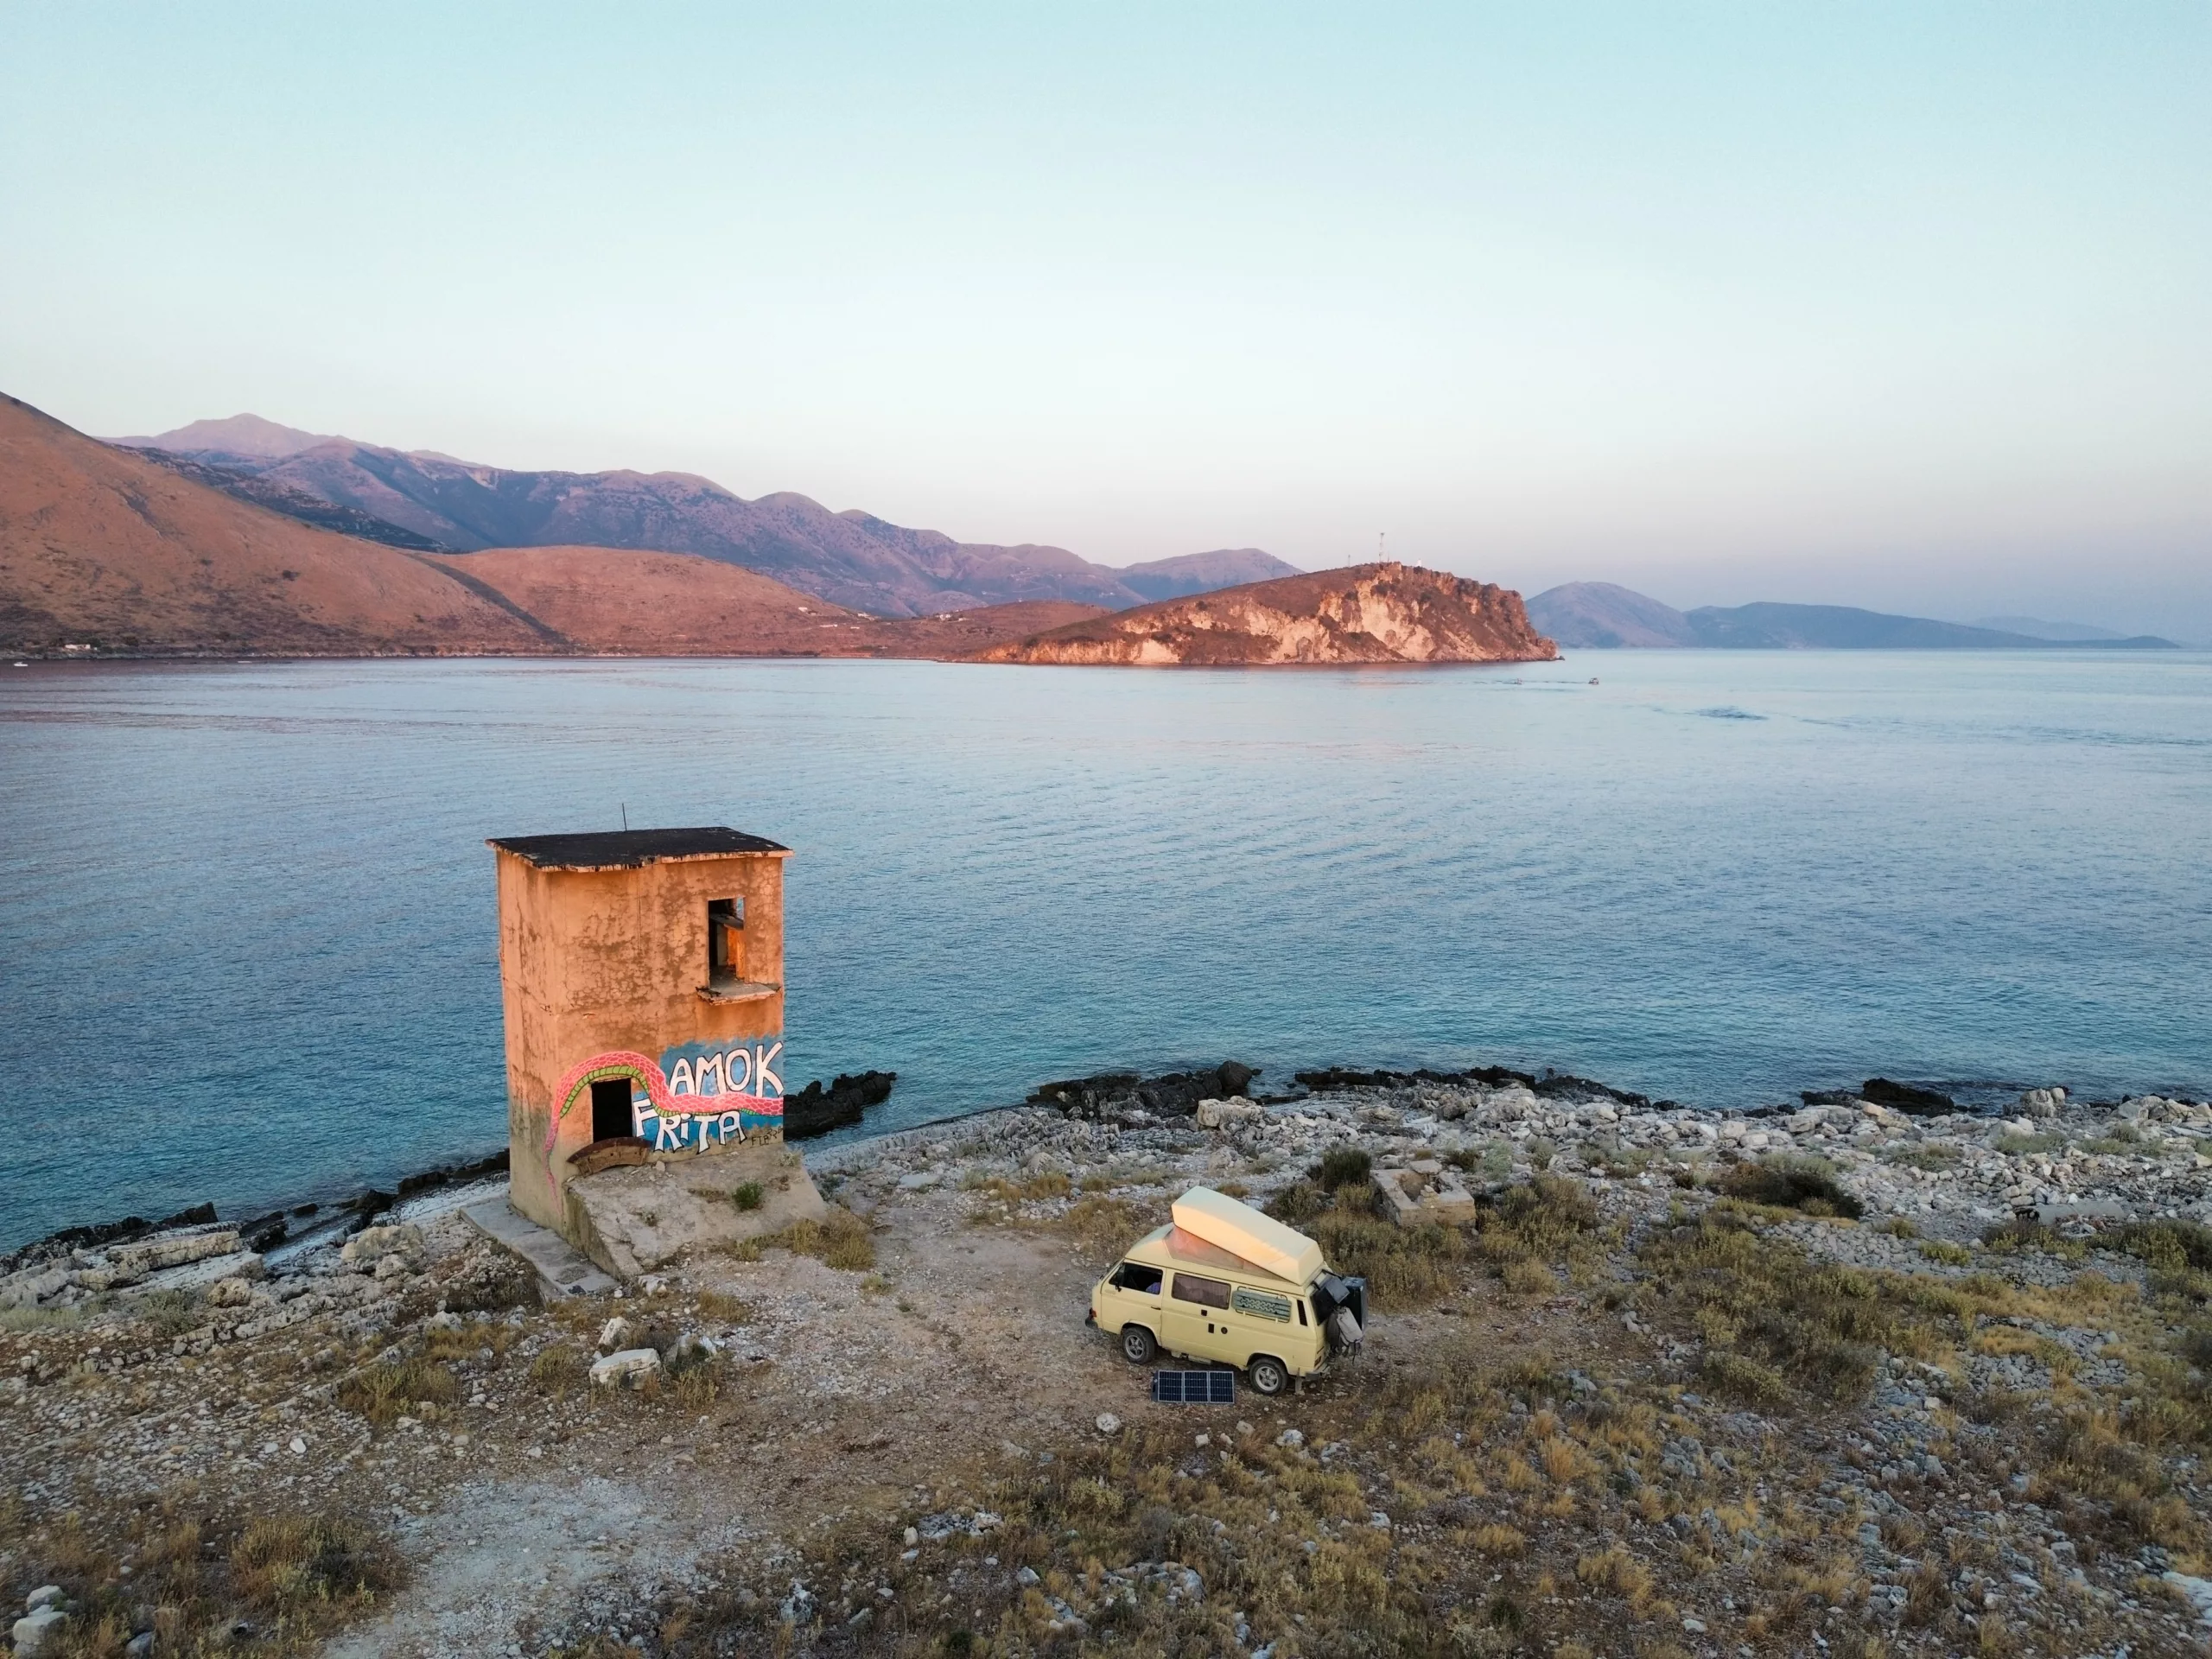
[593, 961]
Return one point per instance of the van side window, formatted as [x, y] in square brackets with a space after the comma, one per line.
[1301, 1312]
[1135, 1276]
[1212, 1293]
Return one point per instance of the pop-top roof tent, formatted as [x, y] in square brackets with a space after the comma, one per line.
[1216, 1218]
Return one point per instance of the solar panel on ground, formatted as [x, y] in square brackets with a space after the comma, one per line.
[1194, 1387]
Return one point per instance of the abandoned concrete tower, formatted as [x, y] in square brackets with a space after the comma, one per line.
[642, 976]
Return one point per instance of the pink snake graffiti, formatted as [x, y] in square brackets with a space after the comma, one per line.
[637, 1068]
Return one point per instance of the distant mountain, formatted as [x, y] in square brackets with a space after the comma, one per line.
[2036, 628]
[1838, 627]
[247, 436]
[279, 497]
[1605, 615]
[1599, 615]
[425, 501]
[1363, 613]
[1842, 627]
[1200, 572]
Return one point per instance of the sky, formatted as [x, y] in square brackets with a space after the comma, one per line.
[1901, 305]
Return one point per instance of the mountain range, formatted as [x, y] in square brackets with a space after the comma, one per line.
[102, 547]
[1601, 614]
[427, 502]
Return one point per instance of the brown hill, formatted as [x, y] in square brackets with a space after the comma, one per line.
[1363, 613]
[616, 601]
[97, 546]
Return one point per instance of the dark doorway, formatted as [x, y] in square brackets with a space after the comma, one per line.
[610, 1108]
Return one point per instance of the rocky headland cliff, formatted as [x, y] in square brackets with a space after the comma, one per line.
[1361, 613]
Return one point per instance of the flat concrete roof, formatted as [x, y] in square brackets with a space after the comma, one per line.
[629, 849]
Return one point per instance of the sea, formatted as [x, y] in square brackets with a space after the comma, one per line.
[247, 943]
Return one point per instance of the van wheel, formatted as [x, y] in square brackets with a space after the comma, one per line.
[1269, 1376]
[1137, 1344]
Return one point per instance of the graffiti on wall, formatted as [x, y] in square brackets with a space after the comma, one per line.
[694, 1096]
[717, 1093]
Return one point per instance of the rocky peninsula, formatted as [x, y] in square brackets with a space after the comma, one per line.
[1865, 1375]
[1363, 613]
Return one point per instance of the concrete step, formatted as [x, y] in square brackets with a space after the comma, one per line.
[561, 1269]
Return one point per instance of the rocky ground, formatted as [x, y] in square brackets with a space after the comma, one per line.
[1638, 1381]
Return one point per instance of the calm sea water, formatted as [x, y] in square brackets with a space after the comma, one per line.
[247, 923]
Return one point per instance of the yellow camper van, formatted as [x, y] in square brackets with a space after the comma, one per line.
[1222, 1282]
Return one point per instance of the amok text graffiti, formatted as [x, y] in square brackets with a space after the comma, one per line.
[694, 1096]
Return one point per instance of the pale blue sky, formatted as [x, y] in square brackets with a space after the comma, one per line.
[1904, 305]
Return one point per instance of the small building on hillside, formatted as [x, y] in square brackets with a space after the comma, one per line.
[641, 974]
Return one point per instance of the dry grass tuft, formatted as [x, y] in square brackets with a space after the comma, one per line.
[383, 1392]
[840, 1239]
[560, 1369]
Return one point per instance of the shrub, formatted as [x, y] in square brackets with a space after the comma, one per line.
[1543, 1219]
[1530, 1277]
[171, 1312]
[1802, 1183]
[1404, 1266]
[1343, 1166]
[2025, 1233]
[747, 1195]
[1761, 1304]
[1298, 1203]
[1931, 1155]
[2169, 1246]
[2015, 1145]
[1742, 1377]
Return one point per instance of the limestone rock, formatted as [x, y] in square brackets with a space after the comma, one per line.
[628, 1367]
[41, 1633]
[233, 1292]
[1226, 1114]
[375, 1244]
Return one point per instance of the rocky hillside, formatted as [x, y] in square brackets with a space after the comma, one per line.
[426, 501]
[1363, 613]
